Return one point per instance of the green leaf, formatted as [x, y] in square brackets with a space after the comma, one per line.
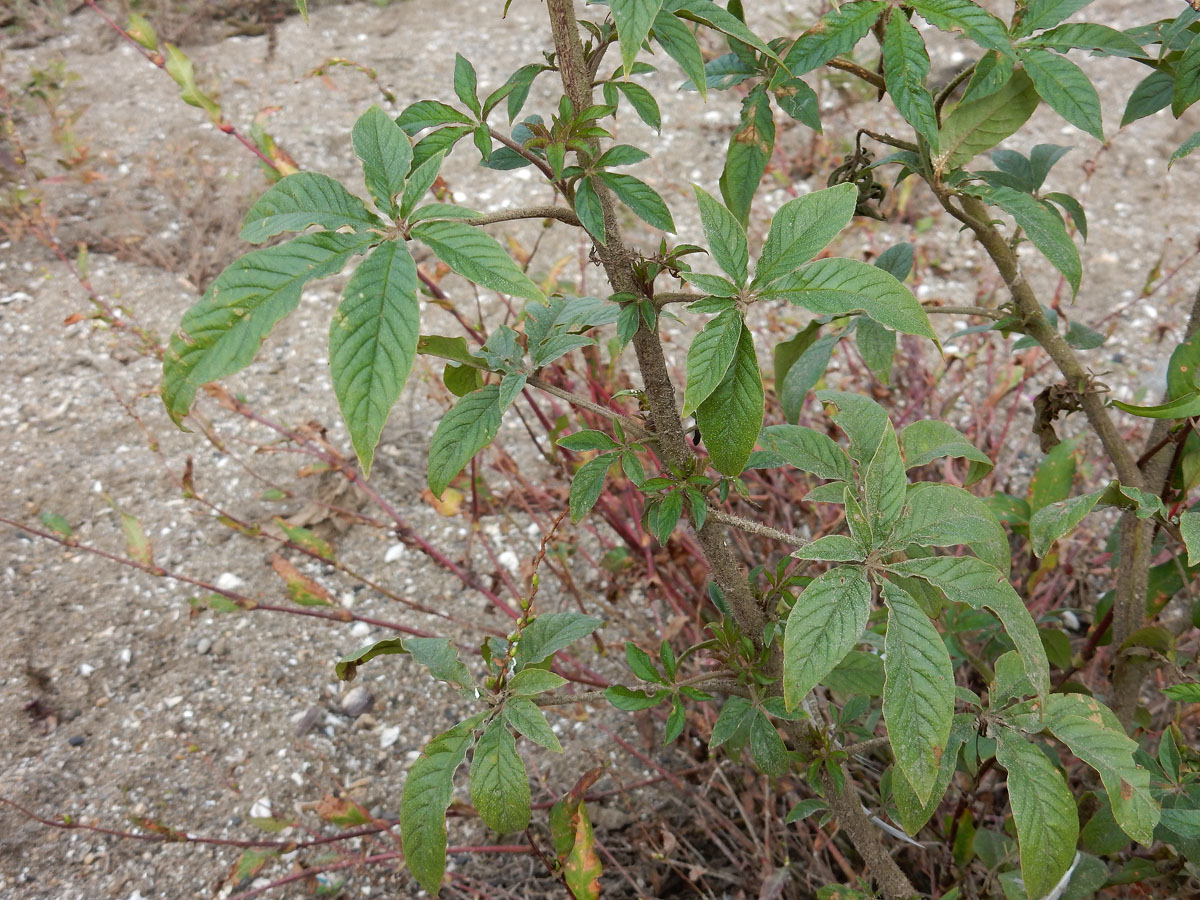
[551, 632]
[726, 236]
[1043, 227]
[681, 45]
[499, 783]
[419, 183]
[863, 420]
[662, 515]
[221, 333]
[803, 810]
[731, 417]
[913, 813]
[1186, 693]
[749, 151]
[1154, 92]
[835, 34]
[992, 72]
[1044, 811]
[633, 19]
[575, 842]
[1041, 14]
[304, 199]
[884, 486]
[831, 548]
[1053, 477]
[803, 228]
[1189, 527]
[588, 208]
[1056, 520]
[964, 579]
[588, 439]
[621, 155]
[859, 672]
[825, 623]
[804, 374]
[929, 439]
[709, 357]
[179, 67]
[1185, 148]
[1083, 338]
[943, 515]
[373, 342]
[588, 484]
[968, 18]
[767, 747]
[906, 66]
[632, 700]
[799, 101]
[1077, 721]
[808, 450]
[642, 101]
[526, 719]
[641, 664]
[708, 13]
[1088, 36]
[918, 695]
[877, 346]
[838, 287]
[386, 154]
[976, 126]
[1184, 822]
[531, 682]
[642, 199]
[1180, 408]
[440, 657]
[1065, 88]
[477, 256]
[441, 141]
[430, 114]
[469, 426]
[56, 523]
[427, 793]
[466, 85]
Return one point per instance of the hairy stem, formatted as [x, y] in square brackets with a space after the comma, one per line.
[527, 212]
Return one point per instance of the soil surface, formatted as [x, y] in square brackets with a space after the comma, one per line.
[120, 701]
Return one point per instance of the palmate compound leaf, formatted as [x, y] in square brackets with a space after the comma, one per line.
[373, 342]
[222, 332]
[304, 199]
[427, 793]
[1043, 808]
[825, 623]
[499, 783]
[731, 417]
[838, 287]
[964, 579]
[918, 693]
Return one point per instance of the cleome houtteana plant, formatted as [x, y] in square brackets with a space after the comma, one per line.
[902, 626]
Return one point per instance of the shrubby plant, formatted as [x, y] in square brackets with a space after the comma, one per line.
[899, 638]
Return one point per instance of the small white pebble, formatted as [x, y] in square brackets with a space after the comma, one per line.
[510, 561]
[85, 670]
[389, 736]
[172, 702]
[395, 552]
[229, 582]
[261, 808]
